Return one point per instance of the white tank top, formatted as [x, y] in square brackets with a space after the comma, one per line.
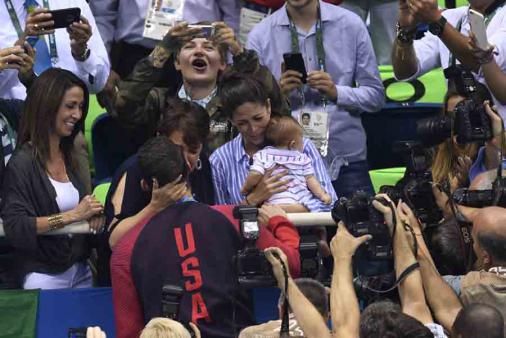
[67, 196]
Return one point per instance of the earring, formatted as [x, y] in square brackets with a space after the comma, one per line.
[199, 164]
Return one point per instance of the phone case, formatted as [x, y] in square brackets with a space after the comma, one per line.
[478, 28]
[65, 17]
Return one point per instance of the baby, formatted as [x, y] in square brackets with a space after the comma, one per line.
[285, 134]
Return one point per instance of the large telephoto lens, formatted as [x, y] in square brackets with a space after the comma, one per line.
[434, 130]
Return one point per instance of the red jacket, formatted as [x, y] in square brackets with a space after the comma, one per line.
[128, 311]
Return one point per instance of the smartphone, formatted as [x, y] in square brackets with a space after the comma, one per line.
[294, 61]
[77, 332]
[65, 17]
[207, 30]
[478, 28]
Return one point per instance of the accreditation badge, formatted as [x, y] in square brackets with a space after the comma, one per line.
[315, 124]
[248, 19]
[161, 16]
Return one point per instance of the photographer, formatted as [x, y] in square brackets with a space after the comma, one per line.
[484, 286]
[201, 59]
[308, 321]
[186, 242]
[448, 41]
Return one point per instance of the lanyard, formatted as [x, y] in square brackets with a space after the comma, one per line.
[320, 50]
[15, 21]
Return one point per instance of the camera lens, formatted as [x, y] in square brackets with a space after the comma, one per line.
[434, 130]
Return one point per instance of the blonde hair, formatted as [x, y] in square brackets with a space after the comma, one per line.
[164, 328]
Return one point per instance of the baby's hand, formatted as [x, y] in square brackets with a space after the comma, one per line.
[327, 199]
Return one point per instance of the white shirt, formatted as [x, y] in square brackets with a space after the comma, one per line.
[67, 196]
[123, 20]
[94, 71]
[432, 53]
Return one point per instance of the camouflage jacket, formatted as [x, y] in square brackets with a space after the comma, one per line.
[144, 93]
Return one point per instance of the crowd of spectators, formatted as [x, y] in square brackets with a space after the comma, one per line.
[230, 139]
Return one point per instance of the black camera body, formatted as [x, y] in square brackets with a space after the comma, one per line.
[361, 218]
[483, 198]
[253, 269]
[171, 301]
[471, 122]
[415, 188]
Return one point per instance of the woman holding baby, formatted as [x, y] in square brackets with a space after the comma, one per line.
[289, 171]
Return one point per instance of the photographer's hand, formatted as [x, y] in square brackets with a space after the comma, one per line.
[344, 244]
[267, 211]
[492, 147]
[275, 256]
[386, 211]
[195, 330]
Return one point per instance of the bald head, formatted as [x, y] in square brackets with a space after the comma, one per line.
[489, 235]
[479, 320]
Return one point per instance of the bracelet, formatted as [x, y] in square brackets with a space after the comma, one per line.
[55, 222]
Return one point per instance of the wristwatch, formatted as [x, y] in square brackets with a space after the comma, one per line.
[437, 27]
[405, 34]
[83, 57]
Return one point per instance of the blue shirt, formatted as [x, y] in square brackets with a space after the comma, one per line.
[478, 166]
[230, 166]
[350, 61]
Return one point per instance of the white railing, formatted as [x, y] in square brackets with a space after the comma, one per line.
[300, 220]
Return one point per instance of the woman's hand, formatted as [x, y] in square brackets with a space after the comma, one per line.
[268, 186]
[497, 124]
[462, 168]
[224, 35]
[167, 195]
[96, 224]
[87, 208]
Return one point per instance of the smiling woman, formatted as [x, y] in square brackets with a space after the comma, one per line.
[41, 191]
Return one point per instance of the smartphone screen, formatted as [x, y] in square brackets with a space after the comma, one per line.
[294, 61]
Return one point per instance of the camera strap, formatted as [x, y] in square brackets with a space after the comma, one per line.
[399, 280]
[285, 320]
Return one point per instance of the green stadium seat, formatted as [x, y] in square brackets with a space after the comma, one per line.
[429, 88]
[387, 176]
[94, 111]
[101, 191]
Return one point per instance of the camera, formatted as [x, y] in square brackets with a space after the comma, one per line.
[362, 218]
[470, 123]
[207, 30]
[483, 198]
[253, 269]
[171, 300]
[415, 188]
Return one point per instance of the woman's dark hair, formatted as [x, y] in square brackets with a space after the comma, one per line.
[235, 89]
[187, 117]
[41, 107]
[161, 159]
[447, 248]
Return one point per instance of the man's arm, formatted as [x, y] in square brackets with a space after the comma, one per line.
[106, 13]
[309, 319]
[345, 312]
[411, 288]
[443, 302]
[369, 94]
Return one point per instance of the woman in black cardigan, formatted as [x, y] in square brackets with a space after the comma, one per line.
[41, 192]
